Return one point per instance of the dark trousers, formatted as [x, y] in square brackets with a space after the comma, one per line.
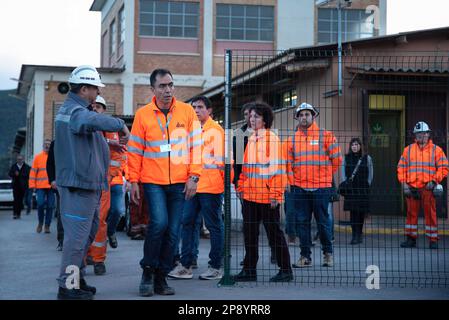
[18, 194]
[60, 228]
[253, 214]
[357, 218]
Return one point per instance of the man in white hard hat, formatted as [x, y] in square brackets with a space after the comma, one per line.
[313, 158]
[423, 165]
[82, 158]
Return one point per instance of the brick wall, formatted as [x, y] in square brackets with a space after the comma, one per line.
[113, 94]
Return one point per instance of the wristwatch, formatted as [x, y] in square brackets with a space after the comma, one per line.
[195, 178]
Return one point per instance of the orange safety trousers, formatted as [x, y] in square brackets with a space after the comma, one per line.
[97, 250]
[428, 203]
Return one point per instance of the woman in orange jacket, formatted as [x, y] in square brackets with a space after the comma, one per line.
[261, 186]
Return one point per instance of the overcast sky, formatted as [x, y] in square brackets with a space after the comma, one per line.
[65, 32]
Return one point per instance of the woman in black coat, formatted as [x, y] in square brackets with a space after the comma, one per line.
[357, 198]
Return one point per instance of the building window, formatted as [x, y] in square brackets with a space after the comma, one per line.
[112, 38]
[284, 99]
[169, 19]
[355, 25]
[122, 27]
[244, 22]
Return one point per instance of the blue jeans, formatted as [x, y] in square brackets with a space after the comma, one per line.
[165, 205]
[117, 208]
[196, 238]
[290, 220]
[45, 205]
[208, 206]
[306, 202]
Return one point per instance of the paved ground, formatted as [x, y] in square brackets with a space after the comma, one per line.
[29, 264]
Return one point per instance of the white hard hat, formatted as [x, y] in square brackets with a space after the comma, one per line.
[421, 126]
[438, 190]
[306, 106]
[100, 100]
[86, 75]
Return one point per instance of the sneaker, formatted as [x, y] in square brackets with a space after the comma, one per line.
[409, 243]
[39, 228]
[180, 272]
[89, 261]
[47, 229]
[74, 294]
[328, 260]
[303, 262]
[212, 274]
[433, 245]
[194, 264]
[99, 268]
[113, 241]
[59, 247]
[14, 217]
[282, 276]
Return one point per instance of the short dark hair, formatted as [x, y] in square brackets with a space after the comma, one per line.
[245, 107]
[76, 87]
[264, 110]
[204, 99]
[158, 72]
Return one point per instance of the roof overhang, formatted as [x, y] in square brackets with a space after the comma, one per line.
[97, 5]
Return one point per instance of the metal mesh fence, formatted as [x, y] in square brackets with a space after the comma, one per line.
[384, 94]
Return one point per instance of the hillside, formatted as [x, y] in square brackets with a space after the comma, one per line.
[13, 116]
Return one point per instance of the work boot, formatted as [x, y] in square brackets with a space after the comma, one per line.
[74, 294]
[433, 245]
[245, 276]
[39, 228]
[84, 286]
[146, 288]
[303, 262]
[282, 276]
[99, 268]
[113, 241]
[47, 229]
[409, 243]
[328, 260]
[161, 286]
[89, 261]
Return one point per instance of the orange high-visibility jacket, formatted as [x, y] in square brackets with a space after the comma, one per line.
[123, 173]
[212, 175]
[38, 174]
[313, 157]
[117, 158]
[263, 176]
[161, 155]
[418, 166]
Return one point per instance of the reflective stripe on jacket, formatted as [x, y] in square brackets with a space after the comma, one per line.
[161, 155]
[38, 173]
[263, 176]
[313, 157]
[212, 175]
[418, 166]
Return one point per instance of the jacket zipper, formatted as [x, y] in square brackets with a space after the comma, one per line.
[168, 137]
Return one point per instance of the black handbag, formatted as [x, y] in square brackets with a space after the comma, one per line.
[345, 187]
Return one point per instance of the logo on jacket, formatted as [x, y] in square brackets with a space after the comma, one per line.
[180, 125]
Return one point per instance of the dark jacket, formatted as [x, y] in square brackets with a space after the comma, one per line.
[51, 169]
[358, 197]
[81, 151]
[20, 181]
[238, 154]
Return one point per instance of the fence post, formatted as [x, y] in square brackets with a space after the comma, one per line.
[227, 279]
